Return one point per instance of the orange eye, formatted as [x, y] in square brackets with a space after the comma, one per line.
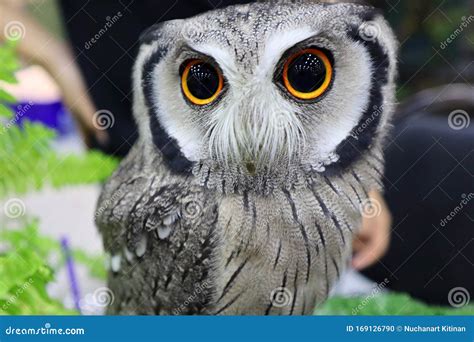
[201, 82]
[307, 74]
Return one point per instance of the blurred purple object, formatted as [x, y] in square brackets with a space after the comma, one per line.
[71, 271]
[53, 115]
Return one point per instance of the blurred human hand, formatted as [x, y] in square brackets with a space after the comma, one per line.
[37, 46]
[372, 241]
[76, 97]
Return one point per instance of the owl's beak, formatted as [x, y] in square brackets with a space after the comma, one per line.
[251, 168]
[255, 137]
[252, 158]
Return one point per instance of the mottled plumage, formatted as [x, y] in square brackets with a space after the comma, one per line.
[247, 205]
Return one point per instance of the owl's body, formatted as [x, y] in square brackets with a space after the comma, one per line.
[247, 204]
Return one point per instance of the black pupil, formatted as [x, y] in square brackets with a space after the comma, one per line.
[203, 81]
[307, 73]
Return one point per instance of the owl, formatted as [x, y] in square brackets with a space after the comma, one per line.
[261, 129]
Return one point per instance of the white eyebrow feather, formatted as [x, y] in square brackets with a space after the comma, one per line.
[277, 44]
[222, 56]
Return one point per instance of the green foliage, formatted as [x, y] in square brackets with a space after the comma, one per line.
[387, 304]
[8, 62]
[25, 274]
[29, 162]
[8, 66]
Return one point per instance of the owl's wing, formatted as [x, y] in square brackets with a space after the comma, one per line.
[159, 232]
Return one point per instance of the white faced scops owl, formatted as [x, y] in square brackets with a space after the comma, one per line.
[260, 135]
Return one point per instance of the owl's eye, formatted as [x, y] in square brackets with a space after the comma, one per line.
[201, 82]
[307, 74]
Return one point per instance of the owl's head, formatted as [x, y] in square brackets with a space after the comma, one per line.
[266, 88]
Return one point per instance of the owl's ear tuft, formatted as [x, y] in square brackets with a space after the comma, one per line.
[369, 13]
[150, 34]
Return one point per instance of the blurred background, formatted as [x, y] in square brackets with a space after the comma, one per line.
[65, 115]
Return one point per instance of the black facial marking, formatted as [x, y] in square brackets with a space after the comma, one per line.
[168, 146]
[362, 136]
